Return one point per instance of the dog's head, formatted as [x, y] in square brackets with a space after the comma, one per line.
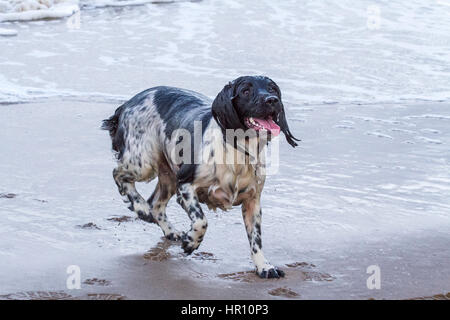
[252, 103]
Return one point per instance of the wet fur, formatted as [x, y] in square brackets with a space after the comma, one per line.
[142, 130]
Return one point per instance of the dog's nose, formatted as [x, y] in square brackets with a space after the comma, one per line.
[271, 101]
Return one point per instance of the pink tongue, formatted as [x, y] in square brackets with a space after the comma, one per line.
[269, 125]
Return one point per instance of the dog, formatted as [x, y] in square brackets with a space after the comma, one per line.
[146, 133]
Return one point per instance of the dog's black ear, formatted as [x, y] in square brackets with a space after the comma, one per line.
[282, 122]
[223, 109]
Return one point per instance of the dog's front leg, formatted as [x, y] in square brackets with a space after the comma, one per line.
[187, 198]
[251, 212]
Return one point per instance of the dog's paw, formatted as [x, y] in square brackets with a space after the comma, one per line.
[125, 199]
[146, 217]
[173, 236]
[270, 272]
[188, 244]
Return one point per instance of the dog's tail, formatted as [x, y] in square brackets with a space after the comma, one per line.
[112, 124]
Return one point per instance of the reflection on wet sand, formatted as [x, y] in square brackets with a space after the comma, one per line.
[365, 205]
[298, 270]
[160, 252]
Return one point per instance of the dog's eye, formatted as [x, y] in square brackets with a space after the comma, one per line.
[271, 90]
[246, 92]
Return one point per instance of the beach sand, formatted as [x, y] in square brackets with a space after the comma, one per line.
[328, 214]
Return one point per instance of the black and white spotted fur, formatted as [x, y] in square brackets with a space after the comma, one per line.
[142, 132]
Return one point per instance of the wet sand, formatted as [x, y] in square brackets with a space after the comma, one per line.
[324, 220]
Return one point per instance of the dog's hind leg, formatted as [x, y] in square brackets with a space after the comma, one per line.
[187, 198]
[164, 190]
[125, 181]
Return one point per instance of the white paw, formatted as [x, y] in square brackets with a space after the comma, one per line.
[268, 271]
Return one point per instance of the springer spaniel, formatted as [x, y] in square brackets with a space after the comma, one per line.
[191, 144]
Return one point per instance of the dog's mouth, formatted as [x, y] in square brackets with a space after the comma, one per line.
[259, 124]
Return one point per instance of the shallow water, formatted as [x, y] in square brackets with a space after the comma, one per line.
[318, 52]
[368, 185]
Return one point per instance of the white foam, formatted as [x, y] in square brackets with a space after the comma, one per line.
[8, 32]
[123, 3]
[13, 93]
[429, 140]
[322, 53]
[27, 10]
[378, 134]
